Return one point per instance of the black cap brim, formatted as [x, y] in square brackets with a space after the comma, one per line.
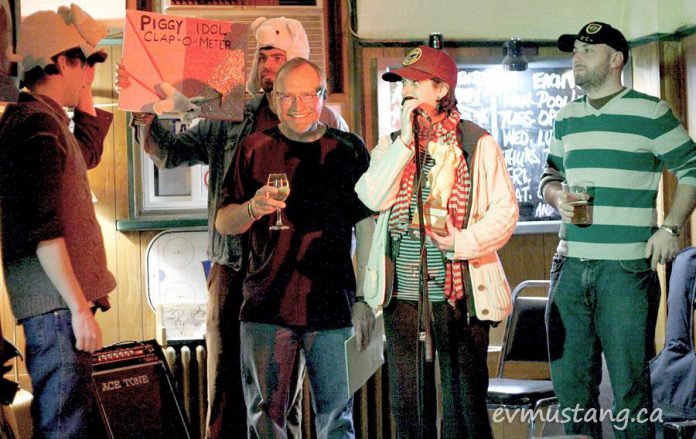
[391, 77]
[397, 75]
[566, 42]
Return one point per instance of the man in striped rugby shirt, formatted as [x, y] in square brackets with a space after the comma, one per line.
[607, 294]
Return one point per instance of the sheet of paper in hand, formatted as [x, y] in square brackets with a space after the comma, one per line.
[361, 365]
[177, 62]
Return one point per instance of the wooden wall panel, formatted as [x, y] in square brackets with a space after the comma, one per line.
[646, 79]
[673, 90]
[101, 180]
[690, 119]
[662, 69]
[148, 315]
[366, 85]
[646, 68]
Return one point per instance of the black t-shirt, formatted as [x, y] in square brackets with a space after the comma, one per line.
[302, 276]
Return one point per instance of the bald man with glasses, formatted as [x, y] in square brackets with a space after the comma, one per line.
[300, 295]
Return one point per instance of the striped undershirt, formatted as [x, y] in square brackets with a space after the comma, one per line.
[406, 285]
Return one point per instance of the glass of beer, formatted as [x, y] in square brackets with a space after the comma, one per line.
[280, 182]
[579, 196]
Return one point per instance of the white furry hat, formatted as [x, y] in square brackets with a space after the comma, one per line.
[44, 34]
[286, 34]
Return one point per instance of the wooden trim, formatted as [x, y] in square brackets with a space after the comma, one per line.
[140, 5]
[128, 225]
[333, 20]
[689, 96]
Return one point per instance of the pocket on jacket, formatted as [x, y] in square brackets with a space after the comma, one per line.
[371, 286]
[498, 287]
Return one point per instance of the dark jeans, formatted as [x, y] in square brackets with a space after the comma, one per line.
[462, 350]
[63, 405]
[227, 416]
[611, 307]
[270, 355]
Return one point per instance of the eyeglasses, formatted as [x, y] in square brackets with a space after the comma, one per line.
[307, 98]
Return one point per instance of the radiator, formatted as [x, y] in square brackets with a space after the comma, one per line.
[371, 411]
[188, 365]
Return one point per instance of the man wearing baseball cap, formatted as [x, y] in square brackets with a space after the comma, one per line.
[52, 248]
[607, 294]
[467, 289]
[596, 33]
[214, 142]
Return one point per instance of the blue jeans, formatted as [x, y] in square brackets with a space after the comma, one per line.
[227, 416]
[271, 354]
[226, 412]
[63, 405]
[611, 307]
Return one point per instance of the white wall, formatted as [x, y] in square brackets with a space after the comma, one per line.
[99, 9]
[528, 19]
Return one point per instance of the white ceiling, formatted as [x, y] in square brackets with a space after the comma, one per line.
[528, 19]
[468, 20]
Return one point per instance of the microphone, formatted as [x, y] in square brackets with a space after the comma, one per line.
[418, 111]
[422, 113]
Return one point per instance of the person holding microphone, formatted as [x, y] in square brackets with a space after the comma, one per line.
[466, 285]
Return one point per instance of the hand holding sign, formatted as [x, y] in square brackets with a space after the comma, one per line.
[183, 65]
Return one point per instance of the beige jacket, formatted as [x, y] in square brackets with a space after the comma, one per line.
[492, 220]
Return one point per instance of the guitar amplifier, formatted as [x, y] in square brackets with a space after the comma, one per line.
[135, 393]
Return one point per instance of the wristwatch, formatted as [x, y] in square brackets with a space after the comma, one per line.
[672, 230]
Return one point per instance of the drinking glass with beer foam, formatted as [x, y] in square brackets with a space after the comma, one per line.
[280, 182]
[578, 195]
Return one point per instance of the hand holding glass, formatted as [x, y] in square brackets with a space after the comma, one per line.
[578, 196]
[280, 182]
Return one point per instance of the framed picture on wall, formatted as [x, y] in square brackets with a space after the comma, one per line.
[172, 193]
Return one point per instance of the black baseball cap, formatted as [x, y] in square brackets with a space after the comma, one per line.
[596, 33]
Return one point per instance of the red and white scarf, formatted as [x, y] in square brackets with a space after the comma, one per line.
[443, 132]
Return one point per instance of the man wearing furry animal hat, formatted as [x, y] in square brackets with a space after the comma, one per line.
[214, 142]
[53, 251]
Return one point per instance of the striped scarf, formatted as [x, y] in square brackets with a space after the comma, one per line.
[443, 132]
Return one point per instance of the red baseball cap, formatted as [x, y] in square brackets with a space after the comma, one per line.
[424, 62]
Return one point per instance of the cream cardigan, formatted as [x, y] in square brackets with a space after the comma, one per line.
[492, 220]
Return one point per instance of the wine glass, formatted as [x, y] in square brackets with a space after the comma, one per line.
[279, 181]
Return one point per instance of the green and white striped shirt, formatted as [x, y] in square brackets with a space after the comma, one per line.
[622, 149]
[407, 261]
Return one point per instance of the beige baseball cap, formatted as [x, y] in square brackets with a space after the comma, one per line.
[46, 33]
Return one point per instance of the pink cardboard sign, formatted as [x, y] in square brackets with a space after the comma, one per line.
[169, 55]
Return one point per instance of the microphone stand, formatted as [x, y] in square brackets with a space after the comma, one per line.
[426, 352]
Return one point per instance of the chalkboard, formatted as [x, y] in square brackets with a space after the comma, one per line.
[518, 109]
